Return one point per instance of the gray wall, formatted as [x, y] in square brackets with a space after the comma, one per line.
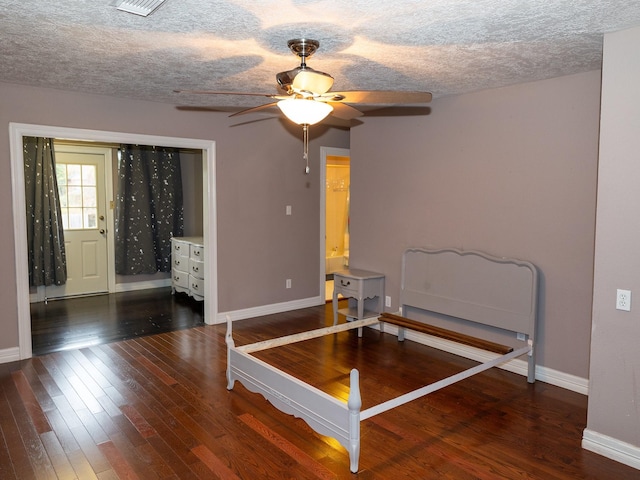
[511, 172]
[191, 170]
[259, 171]
[614, 410]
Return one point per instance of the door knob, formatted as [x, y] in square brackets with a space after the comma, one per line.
[102, 231]
[101, 217]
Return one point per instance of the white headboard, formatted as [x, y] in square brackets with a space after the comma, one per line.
[471, 285]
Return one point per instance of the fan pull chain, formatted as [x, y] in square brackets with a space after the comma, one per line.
[305, 142]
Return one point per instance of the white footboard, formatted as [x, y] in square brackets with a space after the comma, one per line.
[322, 412]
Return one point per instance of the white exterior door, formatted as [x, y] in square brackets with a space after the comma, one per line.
[81, 182]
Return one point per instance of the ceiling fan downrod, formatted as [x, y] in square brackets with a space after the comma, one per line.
[305, 143]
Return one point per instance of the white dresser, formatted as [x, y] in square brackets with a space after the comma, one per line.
[187, 266]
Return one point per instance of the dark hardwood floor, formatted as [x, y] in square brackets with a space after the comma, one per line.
[79, 322]
[157, 407]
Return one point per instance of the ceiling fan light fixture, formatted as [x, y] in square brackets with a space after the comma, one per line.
[304, 111]
[309, 80]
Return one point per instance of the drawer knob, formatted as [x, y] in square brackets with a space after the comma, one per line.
[345, 284]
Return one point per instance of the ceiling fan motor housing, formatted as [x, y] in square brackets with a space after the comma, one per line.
[303, 47]
[304, 80]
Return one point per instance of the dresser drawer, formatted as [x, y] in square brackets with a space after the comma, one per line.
[179, 248]
[180, 262]
[180, 279]
[196, 253]
[196, 285]
[196, 268]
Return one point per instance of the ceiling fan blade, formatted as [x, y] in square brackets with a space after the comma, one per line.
[344, 111]
[255, 109]
[207, 92]
[374, 97]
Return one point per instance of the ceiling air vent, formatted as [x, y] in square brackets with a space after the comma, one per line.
[140, 7]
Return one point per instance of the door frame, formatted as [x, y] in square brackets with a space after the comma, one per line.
[19, 130]
[324, 153]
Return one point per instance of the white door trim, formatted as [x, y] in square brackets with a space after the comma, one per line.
[324, 153]
[19, 130]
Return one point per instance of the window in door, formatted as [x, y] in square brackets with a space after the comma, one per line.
[77, 185]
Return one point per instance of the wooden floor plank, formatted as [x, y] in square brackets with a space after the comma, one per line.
[90, 450]
[25, 432]
[31, 403]
[13, 456]
[117, 459]
[61, 464]
[157, 406]
[290, 449]
[214, 463]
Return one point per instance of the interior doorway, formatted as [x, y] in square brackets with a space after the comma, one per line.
[18, 131]
[334, 218]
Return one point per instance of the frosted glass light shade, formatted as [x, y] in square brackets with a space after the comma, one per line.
[303, 111]
[309, 80]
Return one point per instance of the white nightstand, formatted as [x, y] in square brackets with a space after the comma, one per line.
[365, 291]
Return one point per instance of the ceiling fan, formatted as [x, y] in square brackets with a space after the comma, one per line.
[305, 95]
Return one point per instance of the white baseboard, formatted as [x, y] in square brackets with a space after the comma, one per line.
[269, 309]
[8, 355]
[544, 374]
[130, 287]
[612, 448]
[39, 295]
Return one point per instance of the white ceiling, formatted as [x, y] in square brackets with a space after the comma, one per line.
[446, 47]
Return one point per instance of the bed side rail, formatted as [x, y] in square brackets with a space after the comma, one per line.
[403, 322]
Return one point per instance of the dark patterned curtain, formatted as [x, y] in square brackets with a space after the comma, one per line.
[45, 235]
[149, 208]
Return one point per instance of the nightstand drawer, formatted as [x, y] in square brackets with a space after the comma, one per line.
[347, 287]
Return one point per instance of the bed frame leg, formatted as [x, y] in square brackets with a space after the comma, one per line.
[531, 367]
[354, 404]
[230, 345]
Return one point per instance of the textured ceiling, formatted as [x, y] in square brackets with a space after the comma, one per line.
[446, 47]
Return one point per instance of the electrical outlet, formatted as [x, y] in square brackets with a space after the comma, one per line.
[288, 283]
[623, 300]
[387, 301]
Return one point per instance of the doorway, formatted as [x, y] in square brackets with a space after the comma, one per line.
[18, 131]
[334, 218]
